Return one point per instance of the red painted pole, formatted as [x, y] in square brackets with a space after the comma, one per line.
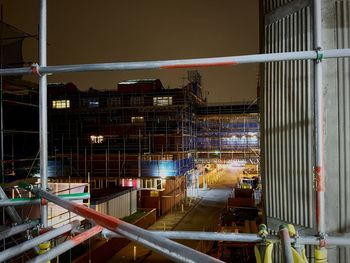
[65, 246]
[170, 249]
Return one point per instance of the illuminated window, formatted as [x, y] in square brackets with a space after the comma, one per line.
[96, 138]
[93, 103]
[137, 119]
[162, 101]
[154, 184]
[60, 104]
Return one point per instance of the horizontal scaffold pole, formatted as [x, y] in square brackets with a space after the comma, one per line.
[195, 235]
[170, 249]
[31, 243]
[237, 237]
[11, 211]
[65, 246]
[11, 231]
[179, 63]
[35, 200]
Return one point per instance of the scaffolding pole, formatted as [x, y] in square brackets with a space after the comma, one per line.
[170, 249]
[181, 63]
[285, 245]
[35, 201]
[31, 243]
[65, 246]
[43, 108]
[17, 229]
[11, 211]
[238, 237]
[319, 170]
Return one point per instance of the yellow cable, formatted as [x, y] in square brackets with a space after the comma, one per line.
[268, 254]
[297, 258]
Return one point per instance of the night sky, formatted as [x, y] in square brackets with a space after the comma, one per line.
[86, 31]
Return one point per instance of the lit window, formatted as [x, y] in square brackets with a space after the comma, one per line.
[96, 138]
[60, 104]
[137, 119]
[93, 103]
[162, 101]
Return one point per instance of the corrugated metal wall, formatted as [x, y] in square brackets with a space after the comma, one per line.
[121, 206]
[270, 5]
[287, 101]
[342, 9]
[287, 114]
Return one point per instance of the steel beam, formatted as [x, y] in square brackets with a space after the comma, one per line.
[166, 247]
[179, 63]
[31, 243]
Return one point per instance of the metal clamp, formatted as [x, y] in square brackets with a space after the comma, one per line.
[322, 239]
[35, 69]
[319, 55]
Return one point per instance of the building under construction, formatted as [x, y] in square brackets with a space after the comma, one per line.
[304, 141]
[143, 135]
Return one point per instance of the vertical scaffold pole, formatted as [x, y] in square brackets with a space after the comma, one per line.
[319, 168]
[43, 106]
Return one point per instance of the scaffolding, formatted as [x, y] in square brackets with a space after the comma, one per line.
[227, 133]
[124, 133]
[166, 247]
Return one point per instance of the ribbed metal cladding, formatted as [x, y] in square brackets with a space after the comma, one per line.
[342, 9]
[270, 5]
[288, 121]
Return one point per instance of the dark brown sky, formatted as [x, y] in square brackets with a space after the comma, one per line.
[87, 31]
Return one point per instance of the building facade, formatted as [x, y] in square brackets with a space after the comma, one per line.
[139, 135]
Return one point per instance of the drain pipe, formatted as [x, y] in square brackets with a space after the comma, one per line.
[31, 243]
[319, 169]
[170, 249]
[65, 246]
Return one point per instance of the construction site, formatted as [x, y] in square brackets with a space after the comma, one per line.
[142, 171]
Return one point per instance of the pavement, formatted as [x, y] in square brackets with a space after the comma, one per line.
[202, 215]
